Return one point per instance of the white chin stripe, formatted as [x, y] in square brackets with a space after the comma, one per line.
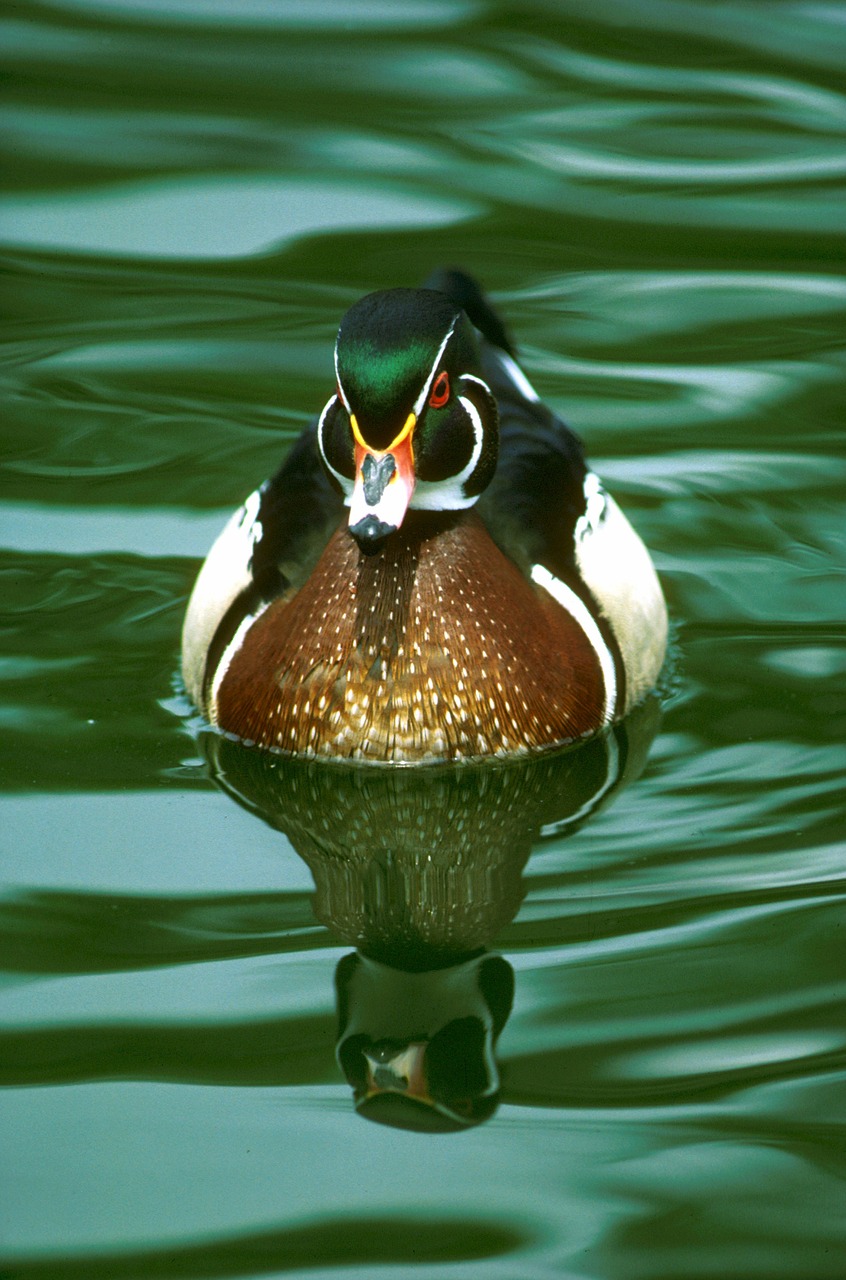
[580, 613]
[346, 484]
[440, 495]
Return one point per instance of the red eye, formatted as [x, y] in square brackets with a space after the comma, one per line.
[440, 391]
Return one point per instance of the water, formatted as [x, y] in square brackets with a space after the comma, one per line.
[195, 193]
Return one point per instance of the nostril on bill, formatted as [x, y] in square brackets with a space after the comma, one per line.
[376, 475]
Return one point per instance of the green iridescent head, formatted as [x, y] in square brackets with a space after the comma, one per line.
[387, 346]
[413, 423]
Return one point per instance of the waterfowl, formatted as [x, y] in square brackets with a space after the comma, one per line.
[433, 573]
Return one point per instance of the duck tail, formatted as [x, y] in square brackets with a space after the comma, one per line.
[466, 293]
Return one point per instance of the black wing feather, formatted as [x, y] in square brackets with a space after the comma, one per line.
[537, 494]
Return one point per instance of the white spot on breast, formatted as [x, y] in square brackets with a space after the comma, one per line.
[596, 503]
[616, 567]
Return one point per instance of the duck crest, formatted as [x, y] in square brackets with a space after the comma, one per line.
[420, 653]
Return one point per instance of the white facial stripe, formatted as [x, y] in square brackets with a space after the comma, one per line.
[580, 613]
[429, 495]
[344, 481]
[341, 391]
[227, 656]
[424, 394]
[516, 375]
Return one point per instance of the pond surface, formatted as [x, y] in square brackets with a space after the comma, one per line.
[195, 193]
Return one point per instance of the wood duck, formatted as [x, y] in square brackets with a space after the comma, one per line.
[433, 574]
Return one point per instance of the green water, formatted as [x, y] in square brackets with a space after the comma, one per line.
[194, 193]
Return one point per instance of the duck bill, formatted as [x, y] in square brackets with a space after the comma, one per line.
[405, 1073]
[384, 484]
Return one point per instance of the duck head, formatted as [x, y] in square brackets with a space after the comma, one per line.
[412, 423]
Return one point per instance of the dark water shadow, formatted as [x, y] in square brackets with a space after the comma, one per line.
[360, 1242]
[65, 931]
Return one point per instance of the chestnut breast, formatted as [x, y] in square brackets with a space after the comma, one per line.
[436, 648]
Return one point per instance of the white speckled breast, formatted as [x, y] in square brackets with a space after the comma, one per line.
[437, 648]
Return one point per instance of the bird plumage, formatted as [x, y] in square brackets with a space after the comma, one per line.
[484, 596]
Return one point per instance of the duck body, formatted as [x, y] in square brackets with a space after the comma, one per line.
[433, 574]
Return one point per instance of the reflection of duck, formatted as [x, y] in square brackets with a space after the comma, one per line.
[421, 870]
[418, 1048]
[492, 598]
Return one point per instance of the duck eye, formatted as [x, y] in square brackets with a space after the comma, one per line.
[440, 391]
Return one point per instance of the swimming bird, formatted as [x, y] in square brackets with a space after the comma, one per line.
[434, 573]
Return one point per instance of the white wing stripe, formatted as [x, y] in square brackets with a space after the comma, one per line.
[227, 656]
[421, 399]
[579, 611]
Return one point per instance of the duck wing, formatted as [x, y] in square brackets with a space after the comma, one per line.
[298, 512]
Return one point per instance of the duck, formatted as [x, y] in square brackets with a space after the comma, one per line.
[434, 574]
